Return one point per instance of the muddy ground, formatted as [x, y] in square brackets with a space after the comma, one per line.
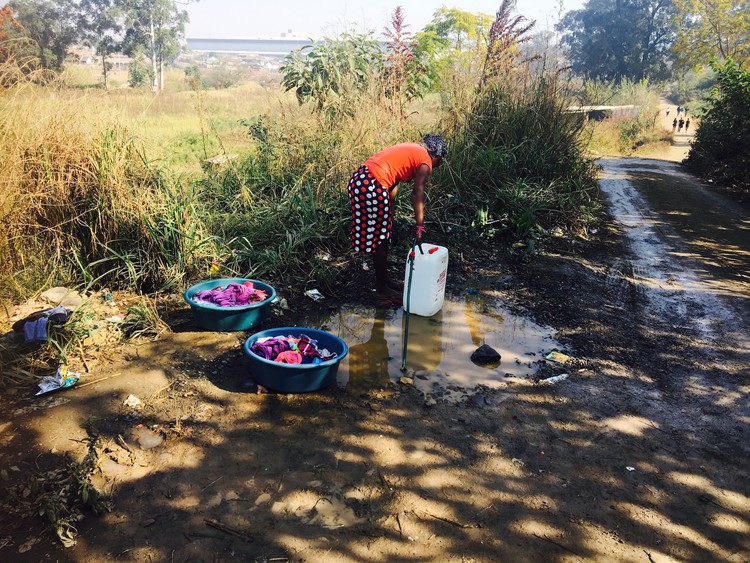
[640, 455]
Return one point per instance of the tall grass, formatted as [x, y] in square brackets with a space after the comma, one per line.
[107, 187]
[80, 202]
[518, 164]
[282, 209]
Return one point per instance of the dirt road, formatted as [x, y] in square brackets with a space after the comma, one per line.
[641, 454]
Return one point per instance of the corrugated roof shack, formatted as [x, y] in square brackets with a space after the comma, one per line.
[599, 113]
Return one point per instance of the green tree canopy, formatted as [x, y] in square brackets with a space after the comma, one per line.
[102, 28]
[156, 26]
[54, 25]
[615, 39]
[712, 29]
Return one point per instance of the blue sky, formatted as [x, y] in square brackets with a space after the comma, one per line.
[318, 18]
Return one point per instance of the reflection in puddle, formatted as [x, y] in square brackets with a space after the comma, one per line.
[439, 347]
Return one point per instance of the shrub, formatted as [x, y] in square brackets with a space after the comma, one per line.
[721, 148]
[518, 164]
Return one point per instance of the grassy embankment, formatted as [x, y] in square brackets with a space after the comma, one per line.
[110, 189]
[641, 135]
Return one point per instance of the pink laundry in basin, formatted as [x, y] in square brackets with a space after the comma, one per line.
[233, 295]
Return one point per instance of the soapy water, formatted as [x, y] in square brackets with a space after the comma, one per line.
[439, 347]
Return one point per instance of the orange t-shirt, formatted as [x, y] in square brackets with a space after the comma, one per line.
[398, 163]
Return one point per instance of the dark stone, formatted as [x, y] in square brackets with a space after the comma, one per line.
[485, 355]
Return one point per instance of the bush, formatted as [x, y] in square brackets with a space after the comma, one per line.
[518, 165]
[721, 148]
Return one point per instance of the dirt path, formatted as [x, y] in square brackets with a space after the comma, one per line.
[639, 455]
[681, 139]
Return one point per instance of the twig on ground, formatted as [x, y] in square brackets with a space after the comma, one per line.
[448, 520]
[228, 529]
[98, 380]
[212, 482]
[553, 542]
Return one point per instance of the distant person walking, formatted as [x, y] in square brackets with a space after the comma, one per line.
[667, 112]
[679, 110]
[687, 125]
[674, 124]
[680, 125]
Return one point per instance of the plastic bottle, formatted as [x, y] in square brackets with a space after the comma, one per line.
[427, 280]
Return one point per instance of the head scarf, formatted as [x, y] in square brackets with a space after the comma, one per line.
[436, 145]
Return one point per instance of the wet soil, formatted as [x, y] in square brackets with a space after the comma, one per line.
[641, 454]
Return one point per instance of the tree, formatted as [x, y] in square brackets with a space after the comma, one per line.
[614, 39]
[457, 29]
[17, 52]
[102, 24]
[712, 28]
[53, 25]
[451, 48]
[156, 25]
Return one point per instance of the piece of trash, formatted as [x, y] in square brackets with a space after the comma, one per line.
[556, 356]
[132, 401]
[324, 256]
[517, 462]
[69, 298]
[62, 379]
[115, 319]
[593, 231]
[630, 468]
[260, 390]
[314, 294]
[365, 267]
[472, 291]
[556, 378]
[34, 327]
[406, 380]
[281, 303]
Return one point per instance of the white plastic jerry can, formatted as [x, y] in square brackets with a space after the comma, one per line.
[427, 280]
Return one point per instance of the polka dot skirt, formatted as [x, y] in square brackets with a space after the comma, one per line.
[371, 211]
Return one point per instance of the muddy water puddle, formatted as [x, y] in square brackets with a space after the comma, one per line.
[439, 348]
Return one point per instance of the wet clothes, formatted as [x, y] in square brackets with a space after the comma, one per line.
[287, 349]
[233, 295]
[270, 348]
[289, 357]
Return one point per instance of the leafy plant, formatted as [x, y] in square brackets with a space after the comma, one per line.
[721, 148]
[333, 73]
[61, 495]
[519, 163]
